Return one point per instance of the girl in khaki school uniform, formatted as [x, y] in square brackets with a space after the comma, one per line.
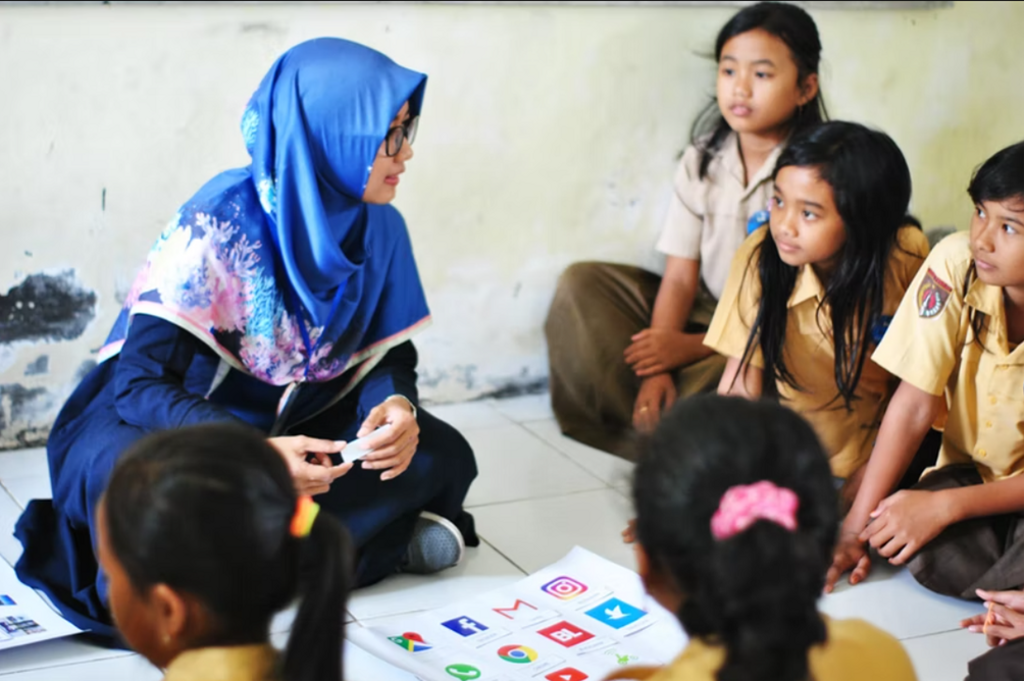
[735, 527]
[809, 296]
[204, 539]
[623, 343]
[956, 345]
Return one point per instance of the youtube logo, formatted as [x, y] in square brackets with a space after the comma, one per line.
[567, 674]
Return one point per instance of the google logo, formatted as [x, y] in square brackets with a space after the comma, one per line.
[517, 654]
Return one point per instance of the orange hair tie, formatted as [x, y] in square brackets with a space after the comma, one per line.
[306, 511]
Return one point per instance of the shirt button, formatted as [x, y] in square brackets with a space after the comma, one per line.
[992, 400]
[982, 453]
[988, 424]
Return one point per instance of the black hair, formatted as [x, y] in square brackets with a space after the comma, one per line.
[870, 183]
[793, 26]
[207, 510]
[756, 592]
[1000, 178]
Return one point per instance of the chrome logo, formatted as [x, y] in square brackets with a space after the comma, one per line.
[517, 654]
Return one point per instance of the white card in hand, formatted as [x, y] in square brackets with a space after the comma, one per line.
[357, 449]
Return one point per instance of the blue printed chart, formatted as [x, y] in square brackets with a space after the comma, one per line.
[25, 617]
[581, 618]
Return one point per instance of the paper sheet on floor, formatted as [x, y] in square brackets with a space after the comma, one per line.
[24, 616]
[580, 618]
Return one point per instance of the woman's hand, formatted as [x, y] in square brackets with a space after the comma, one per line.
[1007, 621]
[657, 393]
[394, 447]
[310, 477]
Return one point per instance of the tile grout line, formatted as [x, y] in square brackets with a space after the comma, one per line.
[410, 612]
[935, 633]
[555, 445]
[502, 554]
[571, 460]
[13, 498]
[80, 663]
[545, 497]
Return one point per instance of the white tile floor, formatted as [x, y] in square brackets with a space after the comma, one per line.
[538, 494]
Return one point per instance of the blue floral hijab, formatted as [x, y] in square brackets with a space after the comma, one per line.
[280, 267]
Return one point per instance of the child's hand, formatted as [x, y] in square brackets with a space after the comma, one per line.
[652, 351]
[851, 554]
[1008, 622]
[1011, 599]
[657, 393]
[977, 625]
[629, 534]
[905, 522]
[655, 351]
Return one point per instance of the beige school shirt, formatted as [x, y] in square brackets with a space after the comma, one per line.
[847, 435]
[707, 219]
[931, 344]
[231, 663]
[855, 651]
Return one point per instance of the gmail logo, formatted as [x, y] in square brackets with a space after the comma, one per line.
[513, 612]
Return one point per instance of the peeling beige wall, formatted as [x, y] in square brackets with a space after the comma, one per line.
[550, 135]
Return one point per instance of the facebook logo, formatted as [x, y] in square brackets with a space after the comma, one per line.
[464, 626]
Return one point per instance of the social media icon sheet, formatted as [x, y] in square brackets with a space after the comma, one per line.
[577, 620]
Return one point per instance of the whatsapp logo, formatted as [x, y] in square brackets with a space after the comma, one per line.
[463, 672]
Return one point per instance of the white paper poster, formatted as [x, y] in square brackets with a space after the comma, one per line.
[578, 619]
[24, 616]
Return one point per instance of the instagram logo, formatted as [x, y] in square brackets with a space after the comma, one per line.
[565, 588]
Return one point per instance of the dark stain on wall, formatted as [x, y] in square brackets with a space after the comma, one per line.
[517, 389]
[38, 367]
[26, 411]
[46, 307]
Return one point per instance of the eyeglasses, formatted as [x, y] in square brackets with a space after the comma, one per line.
[397, 136]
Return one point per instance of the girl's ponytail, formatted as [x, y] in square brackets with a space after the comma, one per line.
[265, 548]
[759, 596]
[314, 646]
[737, 510]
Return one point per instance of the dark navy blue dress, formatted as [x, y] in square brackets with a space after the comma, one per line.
[166, 378]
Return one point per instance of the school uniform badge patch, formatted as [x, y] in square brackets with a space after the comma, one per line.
[759, 218]
[932, 296]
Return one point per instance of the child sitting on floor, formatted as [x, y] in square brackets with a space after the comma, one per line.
[957, 345]
[736, 516]
[203, 540]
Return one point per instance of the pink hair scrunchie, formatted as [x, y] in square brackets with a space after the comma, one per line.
[743, 505]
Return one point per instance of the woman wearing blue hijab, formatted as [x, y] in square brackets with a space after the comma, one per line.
[282, 295]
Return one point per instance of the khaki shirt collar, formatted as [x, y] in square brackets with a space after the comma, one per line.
[807, 286]
[732, 162]
[989, 301]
